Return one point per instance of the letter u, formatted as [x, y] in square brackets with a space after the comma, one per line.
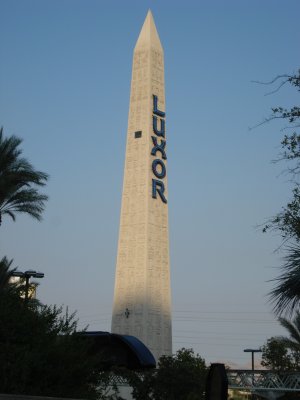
[162, 130]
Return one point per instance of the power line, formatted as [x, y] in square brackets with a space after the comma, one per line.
[215, 332]
[210, 344]
[239, 320]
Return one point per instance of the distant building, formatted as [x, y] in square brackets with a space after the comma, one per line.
[32, 286]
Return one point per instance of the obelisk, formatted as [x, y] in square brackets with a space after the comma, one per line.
[142, 294]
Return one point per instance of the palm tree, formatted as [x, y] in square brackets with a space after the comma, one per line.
[286, 295]
[6, 286]
[5, 275]
[18, 179]
[281, 352]
[293, 327]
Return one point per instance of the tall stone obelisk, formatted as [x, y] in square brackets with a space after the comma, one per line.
[142, 295]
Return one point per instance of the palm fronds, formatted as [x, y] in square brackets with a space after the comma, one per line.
[293, 328]
[18, 179]
[286, 294]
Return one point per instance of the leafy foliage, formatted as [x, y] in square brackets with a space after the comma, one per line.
[41, 352]
[283, 353]
[5, 275]
[286, 294]
[287, 222]
[275, 356]
[293, 328]
[181, 377]
[18, 181]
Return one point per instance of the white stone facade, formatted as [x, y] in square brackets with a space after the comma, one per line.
[142, 294]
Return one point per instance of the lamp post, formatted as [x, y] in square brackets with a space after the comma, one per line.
[27, 275]
[252, 351]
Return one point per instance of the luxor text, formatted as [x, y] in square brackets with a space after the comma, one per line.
[159, 144]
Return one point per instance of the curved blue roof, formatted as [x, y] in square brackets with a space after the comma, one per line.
[144, 355]
[121, 350]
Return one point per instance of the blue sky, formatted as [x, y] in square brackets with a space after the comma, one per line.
[64, 88]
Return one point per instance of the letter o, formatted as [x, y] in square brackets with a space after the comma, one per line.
[161, 174]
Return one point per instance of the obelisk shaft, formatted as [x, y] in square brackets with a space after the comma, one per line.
[142, 295]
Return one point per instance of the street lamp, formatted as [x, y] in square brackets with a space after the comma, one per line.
[252, 351]
[27, 275]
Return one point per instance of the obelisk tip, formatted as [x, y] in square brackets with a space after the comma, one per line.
[148, 35]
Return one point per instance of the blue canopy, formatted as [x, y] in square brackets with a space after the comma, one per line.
[121, 350]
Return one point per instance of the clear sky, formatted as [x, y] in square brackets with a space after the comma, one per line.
[64, 88]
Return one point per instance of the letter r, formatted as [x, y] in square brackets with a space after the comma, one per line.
[158, 187]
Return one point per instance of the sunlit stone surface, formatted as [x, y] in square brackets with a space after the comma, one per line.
[142, 298]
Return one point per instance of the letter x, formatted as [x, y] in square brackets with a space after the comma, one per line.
[159, 147]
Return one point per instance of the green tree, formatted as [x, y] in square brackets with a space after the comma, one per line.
[275, 356]
[286, 293]
[19, 181]
[293, 327]
[5, 275]
[41, 352]
[281, 352]
[287, 221]
[181, 376]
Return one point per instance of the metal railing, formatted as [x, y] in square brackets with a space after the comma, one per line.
[263, 380]
[256, 381]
